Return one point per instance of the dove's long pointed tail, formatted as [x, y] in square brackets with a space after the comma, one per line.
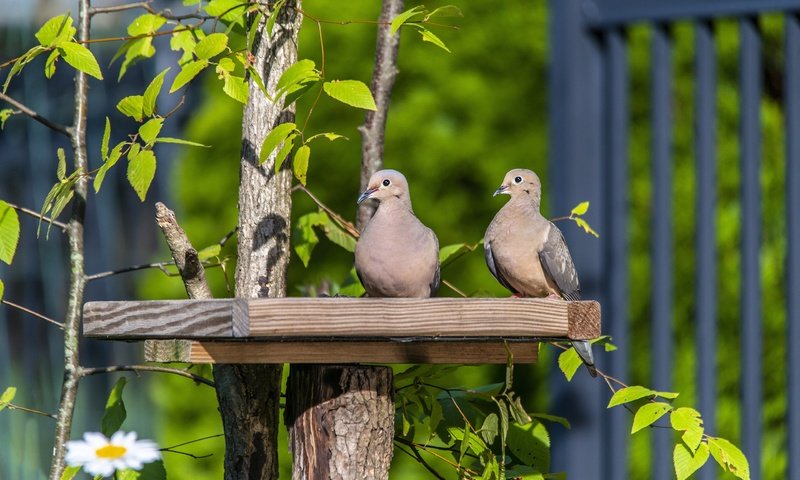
[584, 350]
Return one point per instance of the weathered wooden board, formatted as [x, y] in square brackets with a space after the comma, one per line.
[343, 318]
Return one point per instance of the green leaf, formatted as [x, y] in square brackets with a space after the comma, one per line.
[211, 46]
[225, 64]
[151, 93]
[141, 170]
[133, 151]
[56, 30]
[329, 135]
[729, 457]
[444, 11]
[299, 74]
[580, 209]
[236, 88]
[351, 92]
[209, 252]
[50, 63]
[585, 226]
[450, 253]
[70, 472]
[693, 439]
[4, 115]
[185, 41]
[305, 239]
[649, 413]
[80, 58]
[404, 17]
[7, 396]
[518, 412]
[490, 428]
[274, 138]
[132, 107]
[668, 395]
[134, 50]
[150, 130]
[61, 170]
[687, 462]
[146, 24]
[26, 58]
[552, 418]
[9, 232]
[273, 16]
[2, 288]
[629, 394]
[685, 418]
[300, 163]
[228, 10]
[106, 138]
[464, 442]
[180, 141]
[115, 413]
[338, 236]
[568, 362]
[187, 73]
[287, 147]
[116, 153]
[530, 444]
[428, 36]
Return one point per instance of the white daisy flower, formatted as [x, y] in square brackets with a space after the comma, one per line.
[99, 455]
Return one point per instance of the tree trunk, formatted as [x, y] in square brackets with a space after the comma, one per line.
[341, 421]
[341, 418]
[249, 394]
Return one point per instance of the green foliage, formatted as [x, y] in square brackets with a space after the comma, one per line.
[141, 171]
[9, 232]
[151, 93]
[351, 92]
[5, 114]
[409, 17]
[70, 472]
[80, 58]
[7, 396]
[115, 413]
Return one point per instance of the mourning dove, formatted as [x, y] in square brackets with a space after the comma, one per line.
[527, 254]
[396, 255]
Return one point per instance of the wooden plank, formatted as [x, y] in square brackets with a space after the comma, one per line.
[430, 317]
[224, 318]
[360, 352]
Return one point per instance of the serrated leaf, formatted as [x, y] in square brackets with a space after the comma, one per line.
[300, 163]
[61, 170]
[580, 209]
[226, 64]
[106, 138]
[211, 46]
[50, 63]
[404, 17]
[685, 418]
[236, 88]
[56, 30]
[7, 396]
[187, 73]
[428, 36]
[141, 171]
[568, 362]
[115, 155]
[151, 93]
[150, 130]
[114, 413]
[184, 40]
[9, 232]
[629, 394]
[274, 138]
[693, 438]
[146, 24]
[444, 11]
[729, 457]
[180, 141]
[81, 58]
[133, 151]
[209, 252]
[585, 226]
[132, 107]
[649, 413]
[5, 114]
[687, 462]
[490, 428]
[351, 92]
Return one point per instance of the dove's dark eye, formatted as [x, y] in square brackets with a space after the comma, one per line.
[386, 183]
[517, 179]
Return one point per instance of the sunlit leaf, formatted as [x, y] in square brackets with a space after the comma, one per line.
[141, 171]
[146, 24]
[648, 414]
[729, 457]
[552, 418]
[180, 141]
[351, 92]
[404, 17]
[273, 16]
[56, 30]
[80, 58]
[106, 138]
[687, 462]
[450, 253]
[132, 107]
[9, 232]
[2, 288]
[444, 11]
[274, 138]
[7, 397]
[300, 163]
[211, 46]
[61, 169]
[151, 93]
[187, 73]
[585, 226]
[113, 157]
[20, 63]
[530, 444]
[5, 114]
[228, 10]
[209, 252]
[50, 63]
[568, 362]
[329, 135]
[150, 129]
[114, 413]
[236, 88]
[630, 394]
[428, 36]
[490, 428]
[580, 208]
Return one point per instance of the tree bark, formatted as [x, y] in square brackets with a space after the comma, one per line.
[341, 421]
[249, 394]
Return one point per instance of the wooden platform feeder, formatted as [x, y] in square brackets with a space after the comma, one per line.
[342, 330]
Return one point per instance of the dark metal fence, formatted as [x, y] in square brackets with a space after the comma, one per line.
[589, 144]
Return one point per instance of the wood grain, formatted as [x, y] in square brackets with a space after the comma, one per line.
[360, 352]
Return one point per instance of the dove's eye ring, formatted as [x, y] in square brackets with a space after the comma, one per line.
[386, 183]
[517, 179]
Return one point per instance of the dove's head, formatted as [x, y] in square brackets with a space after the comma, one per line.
[521, 183]
[386, 185]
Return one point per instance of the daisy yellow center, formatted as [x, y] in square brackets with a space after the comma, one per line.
[111, 451]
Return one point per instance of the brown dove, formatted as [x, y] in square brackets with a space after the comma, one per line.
[527, 253]
[396, 255]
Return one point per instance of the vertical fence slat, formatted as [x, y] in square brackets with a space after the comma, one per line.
[616, 308]
[661, 244]
[750, 138]
[705, 276]
[792, 110]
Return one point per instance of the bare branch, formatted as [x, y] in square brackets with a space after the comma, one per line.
[184, 254]
[12, 406]
[160, 265]
[85, 372]
[35, 314]
[454, 288]
[56, 127]
[121, 8]
[61, 225]
[194, 441]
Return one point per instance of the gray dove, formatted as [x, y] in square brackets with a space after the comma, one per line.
[527, 253]
[396, 255]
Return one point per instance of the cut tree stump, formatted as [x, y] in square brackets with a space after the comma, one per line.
[345, 330]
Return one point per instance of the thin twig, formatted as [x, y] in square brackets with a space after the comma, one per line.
[12, 406]
[176, 107]
[159, 265]
[349, 227]
[121, 8]
[196, 457]
[35, 314]
[61, 225]
[418, 457]
[57, 127]
[454, 288]
[228, 236]
[85, 372]
[194, 441]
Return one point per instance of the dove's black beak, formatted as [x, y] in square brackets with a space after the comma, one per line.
[500, 190]
[367, 194]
